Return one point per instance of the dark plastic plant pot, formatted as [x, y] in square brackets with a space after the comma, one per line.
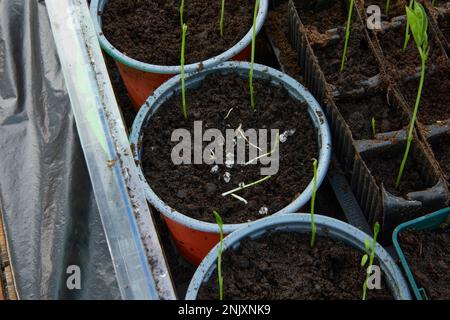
[301, 223]
[141, 79]
[195, 238]
[429, 222]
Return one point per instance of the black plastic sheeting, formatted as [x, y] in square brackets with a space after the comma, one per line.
[46, 197]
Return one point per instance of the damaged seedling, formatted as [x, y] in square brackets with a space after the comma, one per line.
[418, 23]
[219, 254]
[369, 256]
[243, 186]
[347, 34]
[252, 64]
[313, 202]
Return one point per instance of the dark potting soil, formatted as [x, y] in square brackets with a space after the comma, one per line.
[360, 65]
[384, 166]
[396, 8]
[441, 150]
[428, 256]
[358, 113]
[435, 101]
[282, 266]
[150, 31]
[444, 25]
[321, 19]
[277, 28]
[405, 63]
[193, 189]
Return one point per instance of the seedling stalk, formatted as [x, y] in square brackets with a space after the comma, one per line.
[313, 202]
[219, 254]
[255, 15]
[347, 34]
[183, 87]
[222, 12]
[370, 252]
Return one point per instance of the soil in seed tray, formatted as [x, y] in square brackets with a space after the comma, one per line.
[360, 65]
[428, 256]
[441, 150]
[396, 8]
[405, 63]
[321, 19]
[384, 167]
[282, 266]
[150, 31]
[435, 101]
[277, 28]
[358, 113]
[444, 25]
[194, 189]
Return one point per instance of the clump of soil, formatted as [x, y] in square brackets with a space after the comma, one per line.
[358, 113]
[384, 166]
[441, 150]
[277, 28]
[193, 189]
[396, 8]
[282, 266]
[405, 63]
[428, 256]
[360, 65]
[150, 31]
[435, 101]
[321, 19]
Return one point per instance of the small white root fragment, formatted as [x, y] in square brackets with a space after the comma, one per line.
[239, 198]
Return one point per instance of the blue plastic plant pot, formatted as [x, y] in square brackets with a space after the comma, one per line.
[141, 79]
[429, 222]
[193, 237]
[301, 223]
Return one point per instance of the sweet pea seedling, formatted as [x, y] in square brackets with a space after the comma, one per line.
[418, 23]
[370, 255]
[347, 34]
[183, 87]
[182, 13]
[313, 202]
[374, 128]
[222, 12]
[388, 4]
[219, 254]
[255, 15]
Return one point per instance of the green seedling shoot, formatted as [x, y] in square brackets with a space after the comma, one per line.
[419, 28]
[407, 34]
[183, 87]
[374, 127]
[255, 15]
[313, 202]
[182, 13]
[222, 12]
[433, 3]
[219, 254]
[388, 4]
[370, 255]
[347, 33]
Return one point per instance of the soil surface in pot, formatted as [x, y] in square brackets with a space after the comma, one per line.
[360, 65]
[321, 19]
[405, 63]
[441, 150]
[282, 266]
[384, 167]
[150, 31]
[193, 189]
[358, 113]
[435, 101]
[396, 8]
[428, 256]
[444, 25]
[277, 28]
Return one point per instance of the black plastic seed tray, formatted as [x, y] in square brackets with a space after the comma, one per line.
[352, 145]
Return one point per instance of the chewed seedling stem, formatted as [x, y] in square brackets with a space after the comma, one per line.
[313, 202]
[245, 186]
[347, 34]
[252, 64]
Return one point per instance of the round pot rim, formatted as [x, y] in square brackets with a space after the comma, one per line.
[337, 230]
[153, 68]
[320, 122]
